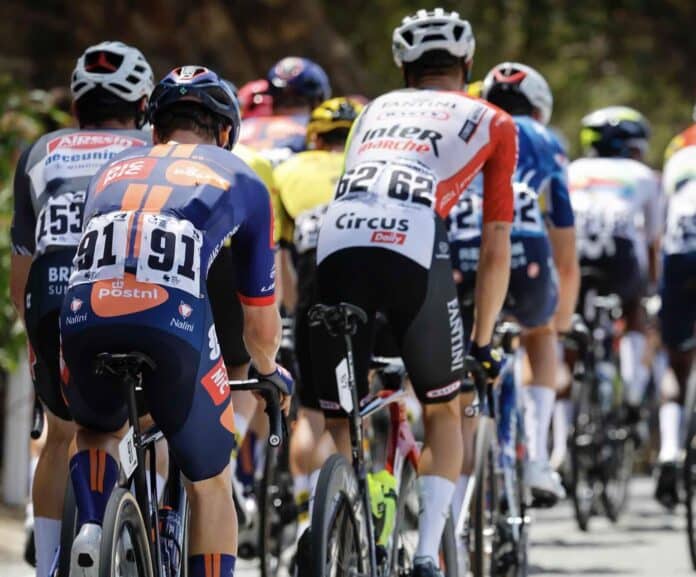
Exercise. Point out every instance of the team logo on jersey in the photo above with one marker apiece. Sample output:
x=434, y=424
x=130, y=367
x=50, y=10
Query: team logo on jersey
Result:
x=191, y=173
x=132, y=168
x=86, y=140
x=119, y=297
x=75, y=305
x=215, y=382
x=185, y=310
x=401, y=138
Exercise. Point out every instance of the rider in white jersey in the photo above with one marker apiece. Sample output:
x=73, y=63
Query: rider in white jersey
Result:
x=383, y=246
x=678, y=294
x=616, y=200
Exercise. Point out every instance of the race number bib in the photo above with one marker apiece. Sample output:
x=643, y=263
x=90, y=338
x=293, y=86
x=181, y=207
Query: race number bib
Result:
x=680, y=233
x=527, y=220
x=403, y=182
x=60, y=221
x=464, y=221
x=170, y=253
x=101, y=253
x=307, y=226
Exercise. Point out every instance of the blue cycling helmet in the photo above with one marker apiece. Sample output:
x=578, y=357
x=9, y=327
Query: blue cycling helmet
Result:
x=299, y=77
x=200, y=85
x=615, y=131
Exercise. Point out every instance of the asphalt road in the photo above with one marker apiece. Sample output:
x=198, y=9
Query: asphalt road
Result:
x=646, y=542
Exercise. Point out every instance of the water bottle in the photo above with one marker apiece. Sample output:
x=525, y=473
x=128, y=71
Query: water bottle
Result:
x=382, y=487
x=170, y=528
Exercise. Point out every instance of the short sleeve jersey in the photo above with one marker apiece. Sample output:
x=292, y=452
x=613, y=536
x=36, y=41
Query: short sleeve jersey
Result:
x=164, y=212
x=679, y=184
x=306, y=183
x=50, y=184
x=446, y=137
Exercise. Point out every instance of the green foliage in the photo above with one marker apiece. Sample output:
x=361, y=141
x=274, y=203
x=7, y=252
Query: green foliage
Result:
x=23, y=117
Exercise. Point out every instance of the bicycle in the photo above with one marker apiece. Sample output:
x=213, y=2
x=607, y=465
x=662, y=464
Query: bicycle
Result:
x=342, y=526
x=602, y=443
x=132, y=541
x=689, y=471
x=495, y=503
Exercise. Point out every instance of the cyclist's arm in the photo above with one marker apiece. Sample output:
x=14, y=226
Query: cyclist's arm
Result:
x=262, y=335
x=22, y=235
x=566, y=261
x=493, y=272
x=653, y=228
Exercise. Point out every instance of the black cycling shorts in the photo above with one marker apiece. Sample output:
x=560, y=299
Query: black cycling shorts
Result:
x=421, y=306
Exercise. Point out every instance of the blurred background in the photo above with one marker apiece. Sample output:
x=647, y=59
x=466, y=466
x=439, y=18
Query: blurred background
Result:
x=594, y=53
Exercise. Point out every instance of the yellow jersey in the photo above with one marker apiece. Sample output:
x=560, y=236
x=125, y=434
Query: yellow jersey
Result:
x=304, y=182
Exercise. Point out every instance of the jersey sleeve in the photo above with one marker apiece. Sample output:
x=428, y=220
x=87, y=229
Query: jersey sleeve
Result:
x=257, y=249
x=653, y=209
x=559, y=209
x=499, y=169
x=23, y=227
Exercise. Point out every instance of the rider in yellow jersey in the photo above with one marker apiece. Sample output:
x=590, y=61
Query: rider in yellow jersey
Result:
x=305, y=185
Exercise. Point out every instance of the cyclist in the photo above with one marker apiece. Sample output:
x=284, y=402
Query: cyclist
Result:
x=678, y=292
x=306, y=185
x=544, y=275
x=255, y=99
x=110, y=85
x=616, y=200
x=383, y=245
x=140, y=284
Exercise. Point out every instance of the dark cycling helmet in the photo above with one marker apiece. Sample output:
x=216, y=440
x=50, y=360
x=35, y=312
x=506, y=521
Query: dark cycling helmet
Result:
x=201, y=85
x=299, y=77
x=616, y=131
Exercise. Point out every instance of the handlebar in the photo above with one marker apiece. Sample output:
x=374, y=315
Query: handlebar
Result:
x=269, y=393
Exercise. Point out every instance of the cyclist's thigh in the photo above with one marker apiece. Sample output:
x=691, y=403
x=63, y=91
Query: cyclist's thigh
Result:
x=678, y=293
x=348, y=275
x=618, y=272
x=428, y=323
x=533, y=290
x=45, y=290
x=227, y=310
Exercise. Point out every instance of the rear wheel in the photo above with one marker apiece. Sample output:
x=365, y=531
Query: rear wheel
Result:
x=582, y=455
x=618, y=470
x=690, y=486
x=68, y=530
x=125, y=548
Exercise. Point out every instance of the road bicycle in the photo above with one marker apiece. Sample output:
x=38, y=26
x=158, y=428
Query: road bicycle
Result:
x=689, y=472
x=344, y=541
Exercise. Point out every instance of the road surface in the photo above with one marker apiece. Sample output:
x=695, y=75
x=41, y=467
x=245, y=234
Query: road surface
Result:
x=647, y=542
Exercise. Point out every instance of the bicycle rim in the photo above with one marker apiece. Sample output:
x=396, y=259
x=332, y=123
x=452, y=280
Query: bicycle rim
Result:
x=484, y=517
x=619, y=472
x=582, y=453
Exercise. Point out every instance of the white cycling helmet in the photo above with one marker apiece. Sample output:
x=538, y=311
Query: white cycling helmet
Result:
x=429, y=30
x=514, y=77
x=113, y=66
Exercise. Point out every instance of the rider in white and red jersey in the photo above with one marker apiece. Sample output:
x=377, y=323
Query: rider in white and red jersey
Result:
x=383, y=245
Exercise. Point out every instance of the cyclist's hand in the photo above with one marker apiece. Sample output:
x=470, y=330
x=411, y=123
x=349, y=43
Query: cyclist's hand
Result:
x=283, y=381
x=489, y=358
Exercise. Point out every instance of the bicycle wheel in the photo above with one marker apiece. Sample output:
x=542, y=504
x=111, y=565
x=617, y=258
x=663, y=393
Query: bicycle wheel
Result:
x=485, y=502
x=125, y=548
x=338, y=542
x=68, y=530
x=583, y=456
x=405, y=535
x=277, y=526
x=618, y=470
x=690, y=486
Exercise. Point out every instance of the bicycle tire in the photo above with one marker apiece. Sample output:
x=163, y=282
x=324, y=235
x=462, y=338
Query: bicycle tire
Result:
x=690, y=487
x=68, y=531
x=582, y=457
x=485, y=505
x=405, y=532
x=337, y=541
x=618, y=473
x=118, y=557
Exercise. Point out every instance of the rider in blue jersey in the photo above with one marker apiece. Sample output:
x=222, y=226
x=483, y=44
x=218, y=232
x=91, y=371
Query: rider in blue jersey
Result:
x=543, y=280
x=155, y=221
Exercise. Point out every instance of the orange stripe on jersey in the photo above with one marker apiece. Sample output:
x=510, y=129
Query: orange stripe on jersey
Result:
x=183, y=150
x=133, y=197
x=161, y=150
x=208, y=558
x=216, y=564
x=101, y=469
x=93, y=469
x=157, y=198
x=449, y=191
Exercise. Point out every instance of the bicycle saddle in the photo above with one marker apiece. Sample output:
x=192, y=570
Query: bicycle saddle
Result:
x=123, y=364
x=340, y=319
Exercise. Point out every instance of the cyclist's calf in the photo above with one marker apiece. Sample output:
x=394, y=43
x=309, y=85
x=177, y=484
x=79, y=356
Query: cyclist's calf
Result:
x=443, y=448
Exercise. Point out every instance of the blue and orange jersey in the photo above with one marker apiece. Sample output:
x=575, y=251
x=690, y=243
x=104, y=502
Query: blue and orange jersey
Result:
x=276, y=137
x=163, y=214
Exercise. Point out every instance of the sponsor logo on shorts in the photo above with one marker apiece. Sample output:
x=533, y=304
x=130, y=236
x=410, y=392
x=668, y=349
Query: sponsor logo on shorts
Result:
x=181, y=325
x=191, y=173
x=215, y=382
x=76, y=304
x=130, y=169
x=85, y=140
x=388, y=237
x=117, y=297
x=213, y=343
x=444, y=391
x=185, y=310
x=456, y=335
x=443, y=250
x=329, y=405
x=533, y=269
x=75, y=319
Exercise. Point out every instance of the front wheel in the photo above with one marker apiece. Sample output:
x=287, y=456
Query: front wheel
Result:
x=338, y=544
x=125, y=548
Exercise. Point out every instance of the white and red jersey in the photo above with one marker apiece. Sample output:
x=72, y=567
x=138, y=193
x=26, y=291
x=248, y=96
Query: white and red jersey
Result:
x=614, y=198
x=425, y=146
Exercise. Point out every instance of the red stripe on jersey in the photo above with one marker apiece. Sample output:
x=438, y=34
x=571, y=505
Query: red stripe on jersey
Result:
x=256, y=301
x=498, y=198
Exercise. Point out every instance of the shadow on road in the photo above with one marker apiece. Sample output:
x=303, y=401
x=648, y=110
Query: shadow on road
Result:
x=537, y=570
x=598, y=544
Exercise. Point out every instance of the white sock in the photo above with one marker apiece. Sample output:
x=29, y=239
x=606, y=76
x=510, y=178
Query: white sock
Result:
x=634, y=374
x=537, y=420
x=670, y=423
x=313, y=480
x=562, y=417
x=241, y=424
x=458, y=496
x=47, y=540
x=29, y=509
x=435, y=495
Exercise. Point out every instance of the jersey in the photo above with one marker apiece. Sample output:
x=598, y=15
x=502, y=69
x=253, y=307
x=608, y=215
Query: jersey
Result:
x=424, y=147
x=51, y=181
x=679, y=183
x=682, y=140
x=306, y=183
x=277, y=137
x=162, y=214
x=614, y=198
